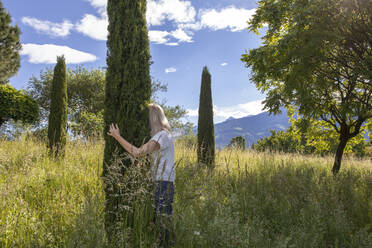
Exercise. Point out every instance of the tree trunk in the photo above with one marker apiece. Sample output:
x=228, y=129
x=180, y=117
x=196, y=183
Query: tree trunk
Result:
x=127, y=92
x=339, y=153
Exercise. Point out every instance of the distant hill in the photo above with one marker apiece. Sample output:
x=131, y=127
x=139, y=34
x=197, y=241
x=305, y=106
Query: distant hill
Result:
x=252, y=127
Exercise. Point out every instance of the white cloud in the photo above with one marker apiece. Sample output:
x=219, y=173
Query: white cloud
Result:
x=224, y=64
x=170, y=69
x=159, y=37
x=93, y=27
x=159, y=11
x=238, y=111
x=181, y=36
x=98, y=3
x=228, y=18
x=172, y=44
x=49, y=28
x=163, y=37
x=101, y=5
x=172, y=10
x=47, y=54
x=180, y=13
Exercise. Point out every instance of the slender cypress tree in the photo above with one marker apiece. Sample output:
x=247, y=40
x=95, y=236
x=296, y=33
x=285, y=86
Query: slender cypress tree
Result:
x=206, y=145
x=127, y=91
x=58, y=109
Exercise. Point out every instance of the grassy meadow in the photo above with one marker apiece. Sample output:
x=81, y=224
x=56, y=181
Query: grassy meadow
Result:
x=249, y=199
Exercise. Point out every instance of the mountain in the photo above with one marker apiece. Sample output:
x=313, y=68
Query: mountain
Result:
x=251, y=127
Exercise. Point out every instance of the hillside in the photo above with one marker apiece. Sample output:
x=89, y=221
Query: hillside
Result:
x=251, y=127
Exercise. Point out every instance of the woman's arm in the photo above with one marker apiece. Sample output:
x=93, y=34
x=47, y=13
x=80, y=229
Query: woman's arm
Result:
x=133, y=150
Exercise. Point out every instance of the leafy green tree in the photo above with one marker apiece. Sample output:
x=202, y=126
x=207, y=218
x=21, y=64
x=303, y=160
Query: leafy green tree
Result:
x=10, y=46
x=278, y=141
x=206, y=143
x=237, y=142
x=16, y=105
x=128, y=89
x=57, y=122
x=309, y=136
x=86, y=91
x=316, y=55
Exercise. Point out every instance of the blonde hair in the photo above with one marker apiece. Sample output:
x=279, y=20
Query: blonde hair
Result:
x=158, y=120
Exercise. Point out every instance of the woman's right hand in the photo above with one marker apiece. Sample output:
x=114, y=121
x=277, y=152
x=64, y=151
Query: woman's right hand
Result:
x=114, y=131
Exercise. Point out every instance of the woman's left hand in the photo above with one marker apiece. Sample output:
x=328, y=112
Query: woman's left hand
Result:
x=114, y=130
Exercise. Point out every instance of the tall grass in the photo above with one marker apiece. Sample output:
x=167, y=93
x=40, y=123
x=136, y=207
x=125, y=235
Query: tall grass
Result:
x=249, y=199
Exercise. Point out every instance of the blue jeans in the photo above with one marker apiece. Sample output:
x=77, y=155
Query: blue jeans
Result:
x=164, y=194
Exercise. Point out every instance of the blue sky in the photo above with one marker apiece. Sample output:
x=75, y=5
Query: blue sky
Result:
x=184, y=35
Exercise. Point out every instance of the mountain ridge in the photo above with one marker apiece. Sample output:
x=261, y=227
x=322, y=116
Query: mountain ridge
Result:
x=251, y=127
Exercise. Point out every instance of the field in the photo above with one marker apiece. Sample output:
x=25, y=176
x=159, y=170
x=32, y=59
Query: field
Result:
x=249, y=200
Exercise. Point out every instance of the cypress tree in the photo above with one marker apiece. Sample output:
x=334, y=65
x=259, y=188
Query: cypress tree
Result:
x=127, y=90
x=58, y=109
x=206, y=147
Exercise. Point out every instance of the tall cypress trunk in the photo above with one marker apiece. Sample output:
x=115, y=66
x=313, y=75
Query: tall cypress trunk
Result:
x=57, y=120
x=127, y=93
x=206, y=142
x=340, y=151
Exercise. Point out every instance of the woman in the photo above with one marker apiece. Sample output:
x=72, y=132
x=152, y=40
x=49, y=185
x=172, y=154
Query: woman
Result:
x=162, y=147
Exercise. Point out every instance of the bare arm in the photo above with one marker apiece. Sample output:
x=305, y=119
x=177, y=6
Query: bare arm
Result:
x=149, y=147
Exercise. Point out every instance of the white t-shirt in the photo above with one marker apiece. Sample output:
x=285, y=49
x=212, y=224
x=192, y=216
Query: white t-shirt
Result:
x=163, y=167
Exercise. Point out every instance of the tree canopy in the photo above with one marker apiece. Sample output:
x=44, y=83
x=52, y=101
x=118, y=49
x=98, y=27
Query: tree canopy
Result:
x=317, y=56
x=86, y=91
x=309, y=136
x=16, y=105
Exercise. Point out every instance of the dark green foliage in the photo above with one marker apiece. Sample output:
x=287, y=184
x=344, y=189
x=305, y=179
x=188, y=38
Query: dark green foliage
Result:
x=16, y=105
x=206, y=146
x=9, y=46
x=57, y=122
x=128, y=90
x=316, y=55
x=237, y=142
